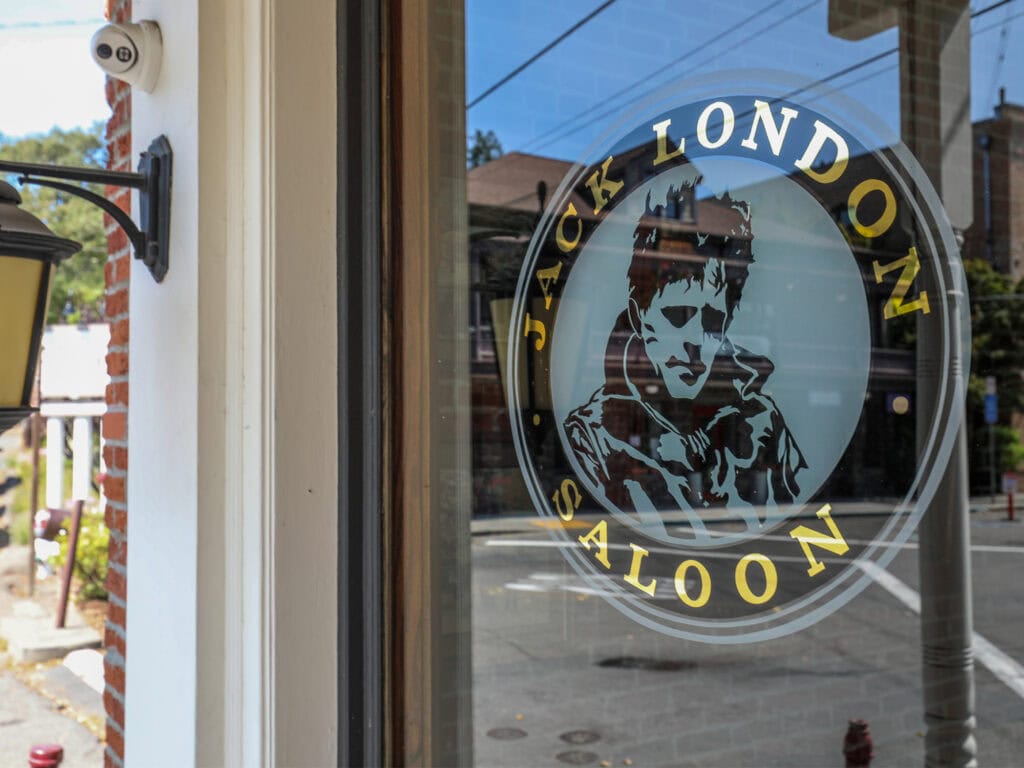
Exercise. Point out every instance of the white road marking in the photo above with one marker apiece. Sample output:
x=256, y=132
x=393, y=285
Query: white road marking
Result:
x=998, y=663
x=1004, y=549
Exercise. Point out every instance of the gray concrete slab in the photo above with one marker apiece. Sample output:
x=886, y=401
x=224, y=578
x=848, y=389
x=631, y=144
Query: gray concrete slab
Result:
x=34, y=639
x=27, y=718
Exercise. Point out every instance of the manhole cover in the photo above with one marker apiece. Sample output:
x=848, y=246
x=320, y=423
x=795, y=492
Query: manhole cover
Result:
x=576, y=757
x=641, y=662
x=506, y=734
x=580, y=737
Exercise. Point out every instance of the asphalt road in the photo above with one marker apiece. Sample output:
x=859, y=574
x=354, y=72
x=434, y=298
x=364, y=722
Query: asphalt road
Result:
x=560, y=677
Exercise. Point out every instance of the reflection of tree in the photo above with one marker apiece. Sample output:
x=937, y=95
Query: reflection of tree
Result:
x=997, y=349
x=483, y=148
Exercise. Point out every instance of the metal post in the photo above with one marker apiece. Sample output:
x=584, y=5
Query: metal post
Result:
x=69, y=563
x=35, y=425
x=992, y=460
x=935, y=100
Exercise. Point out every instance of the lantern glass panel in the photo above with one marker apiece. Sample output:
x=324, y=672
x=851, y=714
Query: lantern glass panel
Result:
x=20, y=283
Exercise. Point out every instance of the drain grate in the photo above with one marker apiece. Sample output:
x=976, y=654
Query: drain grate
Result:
x=506, y=734
x=580, y=737
x=642, y=662
x=576, y=757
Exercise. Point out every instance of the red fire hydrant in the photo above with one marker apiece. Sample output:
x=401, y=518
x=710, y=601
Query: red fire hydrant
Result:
x=858, y=746
x=46, y=756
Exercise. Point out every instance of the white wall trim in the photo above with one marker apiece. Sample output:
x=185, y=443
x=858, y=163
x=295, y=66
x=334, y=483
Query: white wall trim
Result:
x=232, y=487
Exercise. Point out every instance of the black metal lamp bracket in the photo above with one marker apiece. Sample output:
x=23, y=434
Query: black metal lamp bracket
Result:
x=153, y=181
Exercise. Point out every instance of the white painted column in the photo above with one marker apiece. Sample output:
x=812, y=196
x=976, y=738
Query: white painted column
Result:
x=54, y=462
x=81, y=458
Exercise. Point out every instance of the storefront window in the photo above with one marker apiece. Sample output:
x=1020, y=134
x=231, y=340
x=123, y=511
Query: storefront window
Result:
x=711, y=389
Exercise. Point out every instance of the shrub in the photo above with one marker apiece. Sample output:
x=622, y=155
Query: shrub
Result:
x=90, y=558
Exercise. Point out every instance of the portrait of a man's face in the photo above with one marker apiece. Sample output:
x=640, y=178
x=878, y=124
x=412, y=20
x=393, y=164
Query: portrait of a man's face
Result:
x=683, y=330
x=683, y=421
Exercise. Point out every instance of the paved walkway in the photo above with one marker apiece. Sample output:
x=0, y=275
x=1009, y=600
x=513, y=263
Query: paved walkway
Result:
x=54, y=706
x=27, y=717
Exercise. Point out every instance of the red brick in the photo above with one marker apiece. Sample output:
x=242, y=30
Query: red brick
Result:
x=113, y=675
x=119, y=334
x=114, y=487
x=117, y=303
x=115, y=426
x=117, y=393
x=117, y=550
x=116, y=616
x=111, y=91
x=115, y=583
x=122, y=112
x=122, y=268
x=112, y=639
x=115, y=422
x=123, y=145
x=117, y=363
x=115, y=458
x=115, y=743
x=115, y=710
x=115, y=517
x=117, y=241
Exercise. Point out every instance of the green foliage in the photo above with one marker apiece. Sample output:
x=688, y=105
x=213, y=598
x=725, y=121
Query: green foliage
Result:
x=483, y=148
x=81, y=276
x=997, y=349
x=21, y=517
x=21, y=520
x=90, y=558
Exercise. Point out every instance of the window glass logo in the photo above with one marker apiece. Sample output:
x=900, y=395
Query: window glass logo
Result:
x=714, y=380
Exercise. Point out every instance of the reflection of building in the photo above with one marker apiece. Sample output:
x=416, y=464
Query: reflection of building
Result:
x=997, y=233
x=505, y=198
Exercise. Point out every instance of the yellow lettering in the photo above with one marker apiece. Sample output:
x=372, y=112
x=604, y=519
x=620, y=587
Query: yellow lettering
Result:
x=633, y=577
x=771, y=579
x=896, y=305
x=705, y=584
x=661, y=129
x=564, y=244
x=728, y=125
x=601, y=187
x=775, y=135
x=535, y=326
x=885, y=219
x=570, y=494
x=599, y=535
x=807, y=537
x=823, y=133
x=547, y=278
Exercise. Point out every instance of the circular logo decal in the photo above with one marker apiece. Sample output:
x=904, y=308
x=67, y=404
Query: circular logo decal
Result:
x=735, y=361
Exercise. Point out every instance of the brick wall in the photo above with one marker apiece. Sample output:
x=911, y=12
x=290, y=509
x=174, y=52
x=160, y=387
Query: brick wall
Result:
x=115, y=422
x=1006, y=178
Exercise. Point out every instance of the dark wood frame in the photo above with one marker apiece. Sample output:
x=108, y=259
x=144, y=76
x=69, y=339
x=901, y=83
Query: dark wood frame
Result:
x=404, y=686
x=426, y=409
x=360, y=386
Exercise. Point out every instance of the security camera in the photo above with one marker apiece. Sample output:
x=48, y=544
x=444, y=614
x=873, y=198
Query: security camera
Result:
x=129, y=52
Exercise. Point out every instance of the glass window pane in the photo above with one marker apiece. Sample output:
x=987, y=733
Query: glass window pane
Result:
x=706, y=304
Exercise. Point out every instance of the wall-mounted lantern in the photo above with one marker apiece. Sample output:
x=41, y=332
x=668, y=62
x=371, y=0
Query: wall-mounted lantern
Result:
x=29, y=253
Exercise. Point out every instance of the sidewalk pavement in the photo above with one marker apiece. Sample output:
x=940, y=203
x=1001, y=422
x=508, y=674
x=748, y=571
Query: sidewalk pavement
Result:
x=527, y=521
x=47, y=695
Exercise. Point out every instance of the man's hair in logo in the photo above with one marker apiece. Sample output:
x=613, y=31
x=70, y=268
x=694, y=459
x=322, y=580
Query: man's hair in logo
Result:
x=686, y=239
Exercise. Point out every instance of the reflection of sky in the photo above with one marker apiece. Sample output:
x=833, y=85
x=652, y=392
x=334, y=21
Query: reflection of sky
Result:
x=557, y=106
